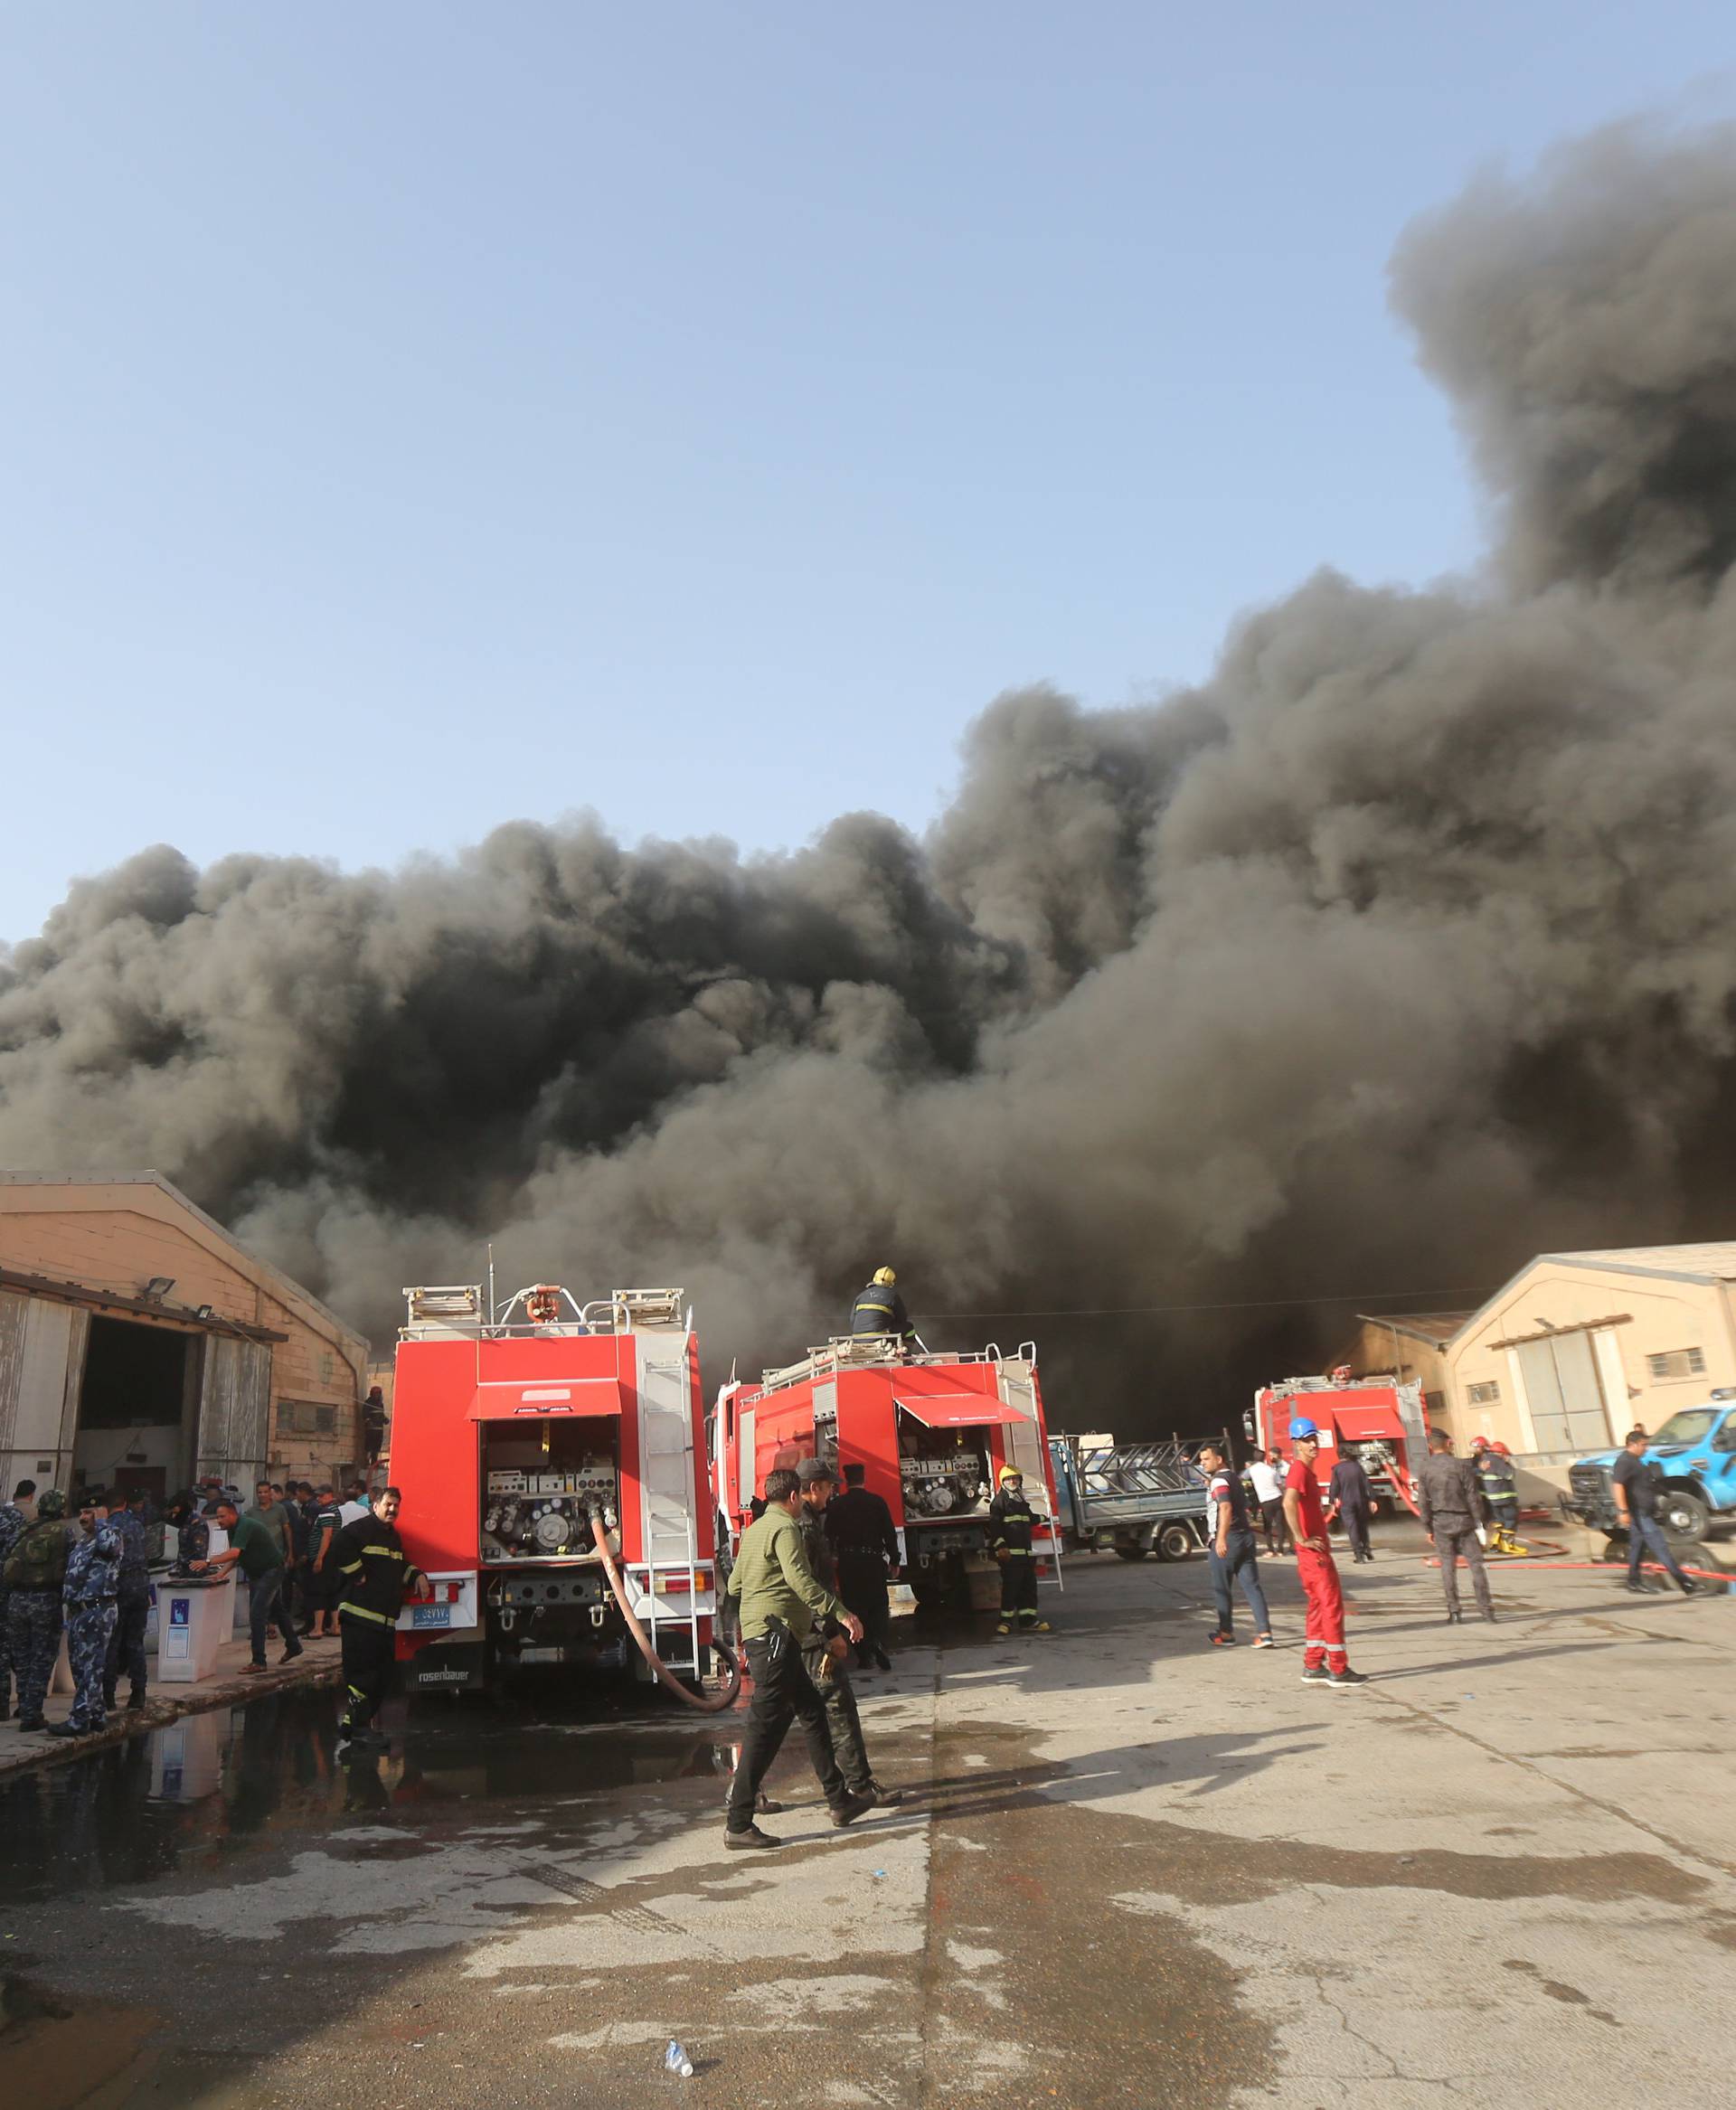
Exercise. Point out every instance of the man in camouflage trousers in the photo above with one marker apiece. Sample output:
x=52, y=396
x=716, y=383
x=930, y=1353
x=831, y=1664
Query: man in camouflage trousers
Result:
x=33, y=1573
x=14, y=1523
x=88, y=1594
x=132, y=1604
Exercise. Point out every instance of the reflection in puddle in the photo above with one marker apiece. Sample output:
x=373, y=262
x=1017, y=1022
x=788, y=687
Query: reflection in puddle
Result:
x=223, y=1783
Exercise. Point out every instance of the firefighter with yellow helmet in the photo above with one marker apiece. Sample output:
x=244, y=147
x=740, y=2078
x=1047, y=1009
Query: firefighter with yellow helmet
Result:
x=1011, y=1523
x=880, y=1309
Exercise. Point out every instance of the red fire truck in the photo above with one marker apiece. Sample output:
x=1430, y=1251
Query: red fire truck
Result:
x=932, y=1432
x=518, y=1436
x=1382, y=1420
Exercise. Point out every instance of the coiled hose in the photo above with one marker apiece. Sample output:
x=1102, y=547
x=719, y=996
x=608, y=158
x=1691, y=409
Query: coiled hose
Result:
x=717, y=1701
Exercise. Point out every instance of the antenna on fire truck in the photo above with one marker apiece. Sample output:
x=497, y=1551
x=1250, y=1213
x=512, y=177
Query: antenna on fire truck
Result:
x=490, y=1282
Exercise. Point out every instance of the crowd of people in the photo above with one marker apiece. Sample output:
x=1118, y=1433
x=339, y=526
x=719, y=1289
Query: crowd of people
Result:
x=313, y=1561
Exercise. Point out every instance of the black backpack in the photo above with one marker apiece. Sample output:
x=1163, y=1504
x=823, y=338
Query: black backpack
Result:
x=38, y=1559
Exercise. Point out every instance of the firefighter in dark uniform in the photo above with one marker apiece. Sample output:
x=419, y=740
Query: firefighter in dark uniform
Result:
x=860, y=1529
x=880, y=1309
x=1010, y=1520
x=375, y=1577
x=1500, y=1485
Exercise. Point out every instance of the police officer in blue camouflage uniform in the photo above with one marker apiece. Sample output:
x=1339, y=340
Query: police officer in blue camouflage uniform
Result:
x=132, y=1605
x=88, y=1594
x=13, y=1522
x=33, y=1573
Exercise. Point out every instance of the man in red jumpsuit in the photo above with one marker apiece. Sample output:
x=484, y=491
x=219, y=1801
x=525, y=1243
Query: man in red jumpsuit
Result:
x=1324, y=1661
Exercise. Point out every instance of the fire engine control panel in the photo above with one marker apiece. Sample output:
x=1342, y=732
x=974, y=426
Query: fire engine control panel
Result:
x=546, y=1516
x=941, y=1477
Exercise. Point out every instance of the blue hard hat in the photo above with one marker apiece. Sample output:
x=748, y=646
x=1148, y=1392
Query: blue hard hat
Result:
x=1301, y=1427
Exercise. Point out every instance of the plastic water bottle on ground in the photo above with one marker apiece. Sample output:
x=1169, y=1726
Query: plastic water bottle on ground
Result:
x=676, y=2060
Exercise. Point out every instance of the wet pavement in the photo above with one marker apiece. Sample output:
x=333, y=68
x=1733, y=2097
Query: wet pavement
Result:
x=1134, y=1869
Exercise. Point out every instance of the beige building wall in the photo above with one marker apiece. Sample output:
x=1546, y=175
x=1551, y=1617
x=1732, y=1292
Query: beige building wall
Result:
x=117, y=1234
x=1654, y=1327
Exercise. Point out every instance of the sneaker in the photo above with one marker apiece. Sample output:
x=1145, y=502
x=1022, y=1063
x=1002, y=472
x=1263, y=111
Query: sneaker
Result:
x=1223, y=1641
x=740, y=1842
x=850, y=1809
x=1264, y=1641
x=887, y=1798
x=1341, y=1681
x=1316, y=1674
x=1687, y=1586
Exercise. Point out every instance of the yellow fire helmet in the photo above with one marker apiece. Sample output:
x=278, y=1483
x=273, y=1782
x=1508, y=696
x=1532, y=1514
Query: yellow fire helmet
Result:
x=884, y=1278
x=1010, y=1472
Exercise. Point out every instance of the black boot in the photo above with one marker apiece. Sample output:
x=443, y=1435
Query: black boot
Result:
x=1687, y=1586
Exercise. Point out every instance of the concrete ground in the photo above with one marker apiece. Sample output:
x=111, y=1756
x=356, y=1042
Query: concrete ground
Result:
x=1134, y=1869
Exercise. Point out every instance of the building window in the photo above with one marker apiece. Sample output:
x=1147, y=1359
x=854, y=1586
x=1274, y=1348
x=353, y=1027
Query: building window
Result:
x=1677, y=1362
x=1483, y=1395
x=306, y=1417
x=1432, y=1404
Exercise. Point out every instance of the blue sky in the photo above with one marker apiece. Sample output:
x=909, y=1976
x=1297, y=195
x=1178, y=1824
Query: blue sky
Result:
x=420, y=416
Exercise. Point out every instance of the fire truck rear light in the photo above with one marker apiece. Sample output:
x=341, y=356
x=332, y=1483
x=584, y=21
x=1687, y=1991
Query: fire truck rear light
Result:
x=453, y=1591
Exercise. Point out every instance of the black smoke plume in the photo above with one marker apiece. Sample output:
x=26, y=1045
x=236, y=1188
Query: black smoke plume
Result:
x=1401, y=949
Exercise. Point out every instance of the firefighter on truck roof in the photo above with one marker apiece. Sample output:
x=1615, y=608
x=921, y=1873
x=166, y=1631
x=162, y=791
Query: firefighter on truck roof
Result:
x=880, y=1309
x=1010, y=1521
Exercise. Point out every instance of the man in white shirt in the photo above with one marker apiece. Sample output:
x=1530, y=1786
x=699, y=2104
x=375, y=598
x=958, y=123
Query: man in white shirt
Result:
x=1268, y=1491
x=357, y=1507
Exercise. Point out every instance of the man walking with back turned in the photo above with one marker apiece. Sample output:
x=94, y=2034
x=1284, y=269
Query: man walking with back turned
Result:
x=1450, y=1503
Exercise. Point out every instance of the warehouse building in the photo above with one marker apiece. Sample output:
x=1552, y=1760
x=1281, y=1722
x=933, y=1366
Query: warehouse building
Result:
x=141, y=1345
x=1566, y=1357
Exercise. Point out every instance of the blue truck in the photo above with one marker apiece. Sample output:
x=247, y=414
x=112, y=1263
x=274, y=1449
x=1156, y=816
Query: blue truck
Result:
x=1695, y=1448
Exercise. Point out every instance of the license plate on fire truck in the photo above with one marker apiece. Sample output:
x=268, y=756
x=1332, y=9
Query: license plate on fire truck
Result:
x=431, y=1616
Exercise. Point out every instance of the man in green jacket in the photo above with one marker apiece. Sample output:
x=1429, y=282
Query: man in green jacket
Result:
x=779, y=1599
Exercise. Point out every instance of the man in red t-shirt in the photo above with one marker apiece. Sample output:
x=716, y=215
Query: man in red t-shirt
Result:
x=1324, y=1661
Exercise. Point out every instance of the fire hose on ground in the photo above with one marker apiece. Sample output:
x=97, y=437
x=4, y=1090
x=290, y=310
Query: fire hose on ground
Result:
x=717, y=1701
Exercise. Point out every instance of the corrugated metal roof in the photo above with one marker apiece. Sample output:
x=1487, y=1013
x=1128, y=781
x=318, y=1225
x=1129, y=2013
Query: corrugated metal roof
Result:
x=274, y=1276
x=1716, y=1262
x=1437, y=1328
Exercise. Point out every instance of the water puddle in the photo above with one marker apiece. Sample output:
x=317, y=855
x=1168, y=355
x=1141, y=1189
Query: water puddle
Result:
x=225, y=1782
x=56, y=2053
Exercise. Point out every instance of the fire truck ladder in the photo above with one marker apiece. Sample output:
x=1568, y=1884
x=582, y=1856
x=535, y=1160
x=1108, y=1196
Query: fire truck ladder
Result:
x=1024, y=1448
x=667, y=1434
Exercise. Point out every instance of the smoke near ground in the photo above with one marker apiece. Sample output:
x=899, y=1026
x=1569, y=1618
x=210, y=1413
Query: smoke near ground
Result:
x=1401, y=949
